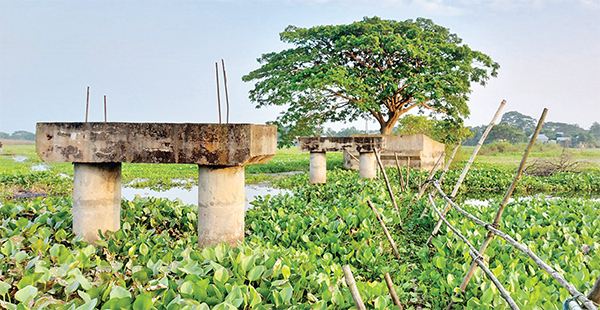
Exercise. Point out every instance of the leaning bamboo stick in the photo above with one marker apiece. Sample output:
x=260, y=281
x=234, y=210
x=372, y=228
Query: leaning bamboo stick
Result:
x=523, y=248
x=476, y=257
x=385, y=230
x=443, y=174
x=466, y=169
x=387, y=184
x=352, y=286
x=431, y=172
x=218, y=94
x=504, y=201
x=400, y=173
x=390, y=285
x=87, y=104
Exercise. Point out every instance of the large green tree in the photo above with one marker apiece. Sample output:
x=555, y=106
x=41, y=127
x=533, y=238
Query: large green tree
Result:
x=373, y=68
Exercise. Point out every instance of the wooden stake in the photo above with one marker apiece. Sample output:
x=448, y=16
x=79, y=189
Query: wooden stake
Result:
x=400, y=173
x=218, y=93
x=504, y=201
x=385, y=230
x=105, y=108
x=466, y=169
x=390, y=285
x=407, y=171
x=352, y=286
x=387, y=183
x=226, y=93
x=87, y=104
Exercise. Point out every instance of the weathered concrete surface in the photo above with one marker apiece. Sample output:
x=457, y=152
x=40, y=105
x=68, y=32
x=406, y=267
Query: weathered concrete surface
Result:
x=318, y=168
x=202, y=144
x=220, y=205
x=367, y=166
x=340, y=144
x=96, y=199
x=421, y=149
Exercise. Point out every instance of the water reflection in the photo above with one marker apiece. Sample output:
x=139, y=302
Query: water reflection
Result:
x=190, y=196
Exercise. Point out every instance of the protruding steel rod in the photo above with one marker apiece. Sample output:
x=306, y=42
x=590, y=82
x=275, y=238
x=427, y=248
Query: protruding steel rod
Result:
x=226, y=93
x=218, y=93
x=105, y=108
x=87, y=104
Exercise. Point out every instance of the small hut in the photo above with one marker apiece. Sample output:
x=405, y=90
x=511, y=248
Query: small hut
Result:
x=420, y=150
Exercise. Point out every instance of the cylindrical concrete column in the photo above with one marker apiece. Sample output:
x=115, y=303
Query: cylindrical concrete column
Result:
x=220, y=205
x=318, y=168
x=96, y=198
x=367, y=165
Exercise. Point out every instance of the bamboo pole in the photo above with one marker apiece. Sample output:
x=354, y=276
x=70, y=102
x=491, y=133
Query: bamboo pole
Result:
x=400, y=172
x=390, y=285
x=387, y=183
x=430, y=175
x=476, y=257
x=504, y=201
x=226, y=93
x=523, y=248
x=218, y=92
x=352, y=286
x=466, y=169
x=594, y=294
x=407, y=171
x=87, y=104
x=442, y=176
x=385, y=230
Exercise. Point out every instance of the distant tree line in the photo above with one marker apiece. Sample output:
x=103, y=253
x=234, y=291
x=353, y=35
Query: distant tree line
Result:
x=516, y=127
x=18, y=135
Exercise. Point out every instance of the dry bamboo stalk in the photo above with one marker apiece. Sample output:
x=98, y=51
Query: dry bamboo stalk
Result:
x=87, y=104
x=352, y=286
x=218, y=93
x=390, y=285
x=476, y=257
x=431, y=172
x=407, y=171
x=594, y=294
x=573, y=305
x=543, y=265
x=509, y=192
x=387, y=183
x=466, y=169
x=225, y=84
x=442, y=176
x=385, y=230
x=400, y=173
x=352, y=155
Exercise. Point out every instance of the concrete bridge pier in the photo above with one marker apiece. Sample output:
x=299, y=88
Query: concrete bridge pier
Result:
x=220, y=205
x=367, y=165
x=318, y=168
x=96, y=198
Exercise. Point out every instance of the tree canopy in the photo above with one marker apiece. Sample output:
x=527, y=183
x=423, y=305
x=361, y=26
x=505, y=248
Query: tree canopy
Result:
x=372, y=68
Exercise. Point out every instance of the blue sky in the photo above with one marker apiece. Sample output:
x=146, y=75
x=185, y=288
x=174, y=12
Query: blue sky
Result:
x=154, y=60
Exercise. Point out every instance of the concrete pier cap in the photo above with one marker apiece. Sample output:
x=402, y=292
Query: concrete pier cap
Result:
x=97, y=149
x=319, y=146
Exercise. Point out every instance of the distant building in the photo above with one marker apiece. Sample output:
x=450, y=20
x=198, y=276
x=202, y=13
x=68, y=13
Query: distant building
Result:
x=541, y=138
x=563, y=141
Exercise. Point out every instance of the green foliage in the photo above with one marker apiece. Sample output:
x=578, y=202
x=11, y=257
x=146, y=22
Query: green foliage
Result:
x=370, y=68
x=444, y=131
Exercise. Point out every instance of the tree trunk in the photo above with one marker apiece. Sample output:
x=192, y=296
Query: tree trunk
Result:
x=387, y=128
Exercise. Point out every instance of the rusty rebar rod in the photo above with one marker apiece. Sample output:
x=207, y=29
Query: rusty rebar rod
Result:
x=218, y=92
x=105, y=108
x=226, y=92
x=87, y=104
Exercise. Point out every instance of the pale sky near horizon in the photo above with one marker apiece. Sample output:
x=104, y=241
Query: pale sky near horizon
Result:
x=154, y=60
